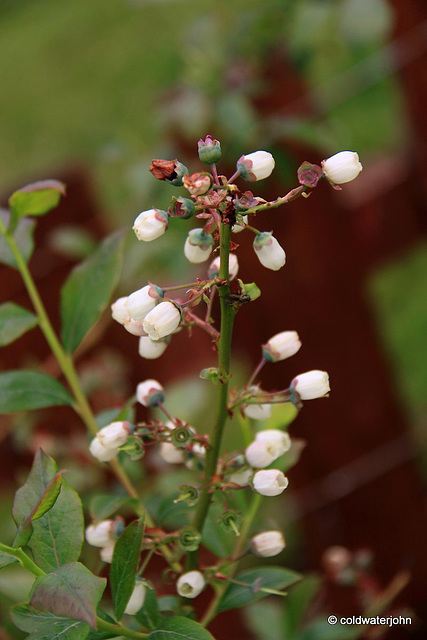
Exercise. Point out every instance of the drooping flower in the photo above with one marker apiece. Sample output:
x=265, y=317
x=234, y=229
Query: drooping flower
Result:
x=190, y=584
x=142, y=301
x=149, y=393
x=269, y=482
x=268, y=251
x=150, y=224
x=281, y=346
x=198, y=246
x=342, y=167
x=312, y=384
x=256, y=166
x=162, y=320
x=137, y=598
x=268, y=544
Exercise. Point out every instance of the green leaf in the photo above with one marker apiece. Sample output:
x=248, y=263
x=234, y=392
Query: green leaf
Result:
x=23, y=235
x=14, y=322
x=269, y=577
x=124, y=566
x=178, y=628
x=6, y=559
x=22, y=390
x=87, y=291
x=71, y=591
x=36, y=199
x=57, y=534
x=45, y=625
x=149, y=616
x=297, y=604
x=214, y=537
x=102, y=507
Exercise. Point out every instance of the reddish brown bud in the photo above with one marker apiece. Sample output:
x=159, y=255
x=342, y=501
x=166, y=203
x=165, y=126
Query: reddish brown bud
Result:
x=309, y=174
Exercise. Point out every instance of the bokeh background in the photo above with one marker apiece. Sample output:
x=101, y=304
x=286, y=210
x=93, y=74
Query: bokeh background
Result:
x=91, y=91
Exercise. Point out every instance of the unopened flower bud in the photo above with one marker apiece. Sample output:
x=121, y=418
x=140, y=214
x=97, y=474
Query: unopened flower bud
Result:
x=209, y=150
x=281, y=346
x=190, y=584
x=100, y=534
x=162, y=320
x=267, y=447
x=135, y=327
x=150, y=224
x=256, y=166
x=101, y=452
x=342, y=167
x=268, y=251
x=140, y=302
x=171, y=171
x=115, y=434
x=181, y=207
x=198, y=183
x=233, y=266
x=152, y=349
x=241, y=478
x=240, y=224
x=171, y=454
x=119, y=311
x=312, y=384
x=106, y=553
x=149, y=393
x=269, y=482
x=257, y=411
x=268, y=544
x=198, y=246
x=137, y=598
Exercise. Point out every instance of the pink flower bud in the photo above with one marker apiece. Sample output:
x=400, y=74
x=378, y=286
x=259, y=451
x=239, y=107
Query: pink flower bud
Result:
x=312, y=384
x=142, y=301
x=268, y=544
x=281, y=346
x=342, y=167
x=268, y=251
x=149, y=393
x=269, y=482
x=256, y=166
x=162, y=320
x=190, y=584
x=150, y=224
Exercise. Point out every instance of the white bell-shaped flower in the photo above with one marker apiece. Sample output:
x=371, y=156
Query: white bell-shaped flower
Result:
x=342, y=167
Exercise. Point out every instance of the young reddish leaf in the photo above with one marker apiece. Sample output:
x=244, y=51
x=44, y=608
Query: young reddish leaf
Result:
x=71, y=591
x=14, y=322
x=58, y=527
x=36, y=199
x=124, y=566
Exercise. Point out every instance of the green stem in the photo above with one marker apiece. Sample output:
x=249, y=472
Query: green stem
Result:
x=224, y=347
x=119, y=630
x=241, y=542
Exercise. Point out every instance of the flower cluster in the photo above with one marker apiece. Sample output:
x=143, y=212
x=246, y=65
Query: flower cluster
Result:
x=152, y=315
